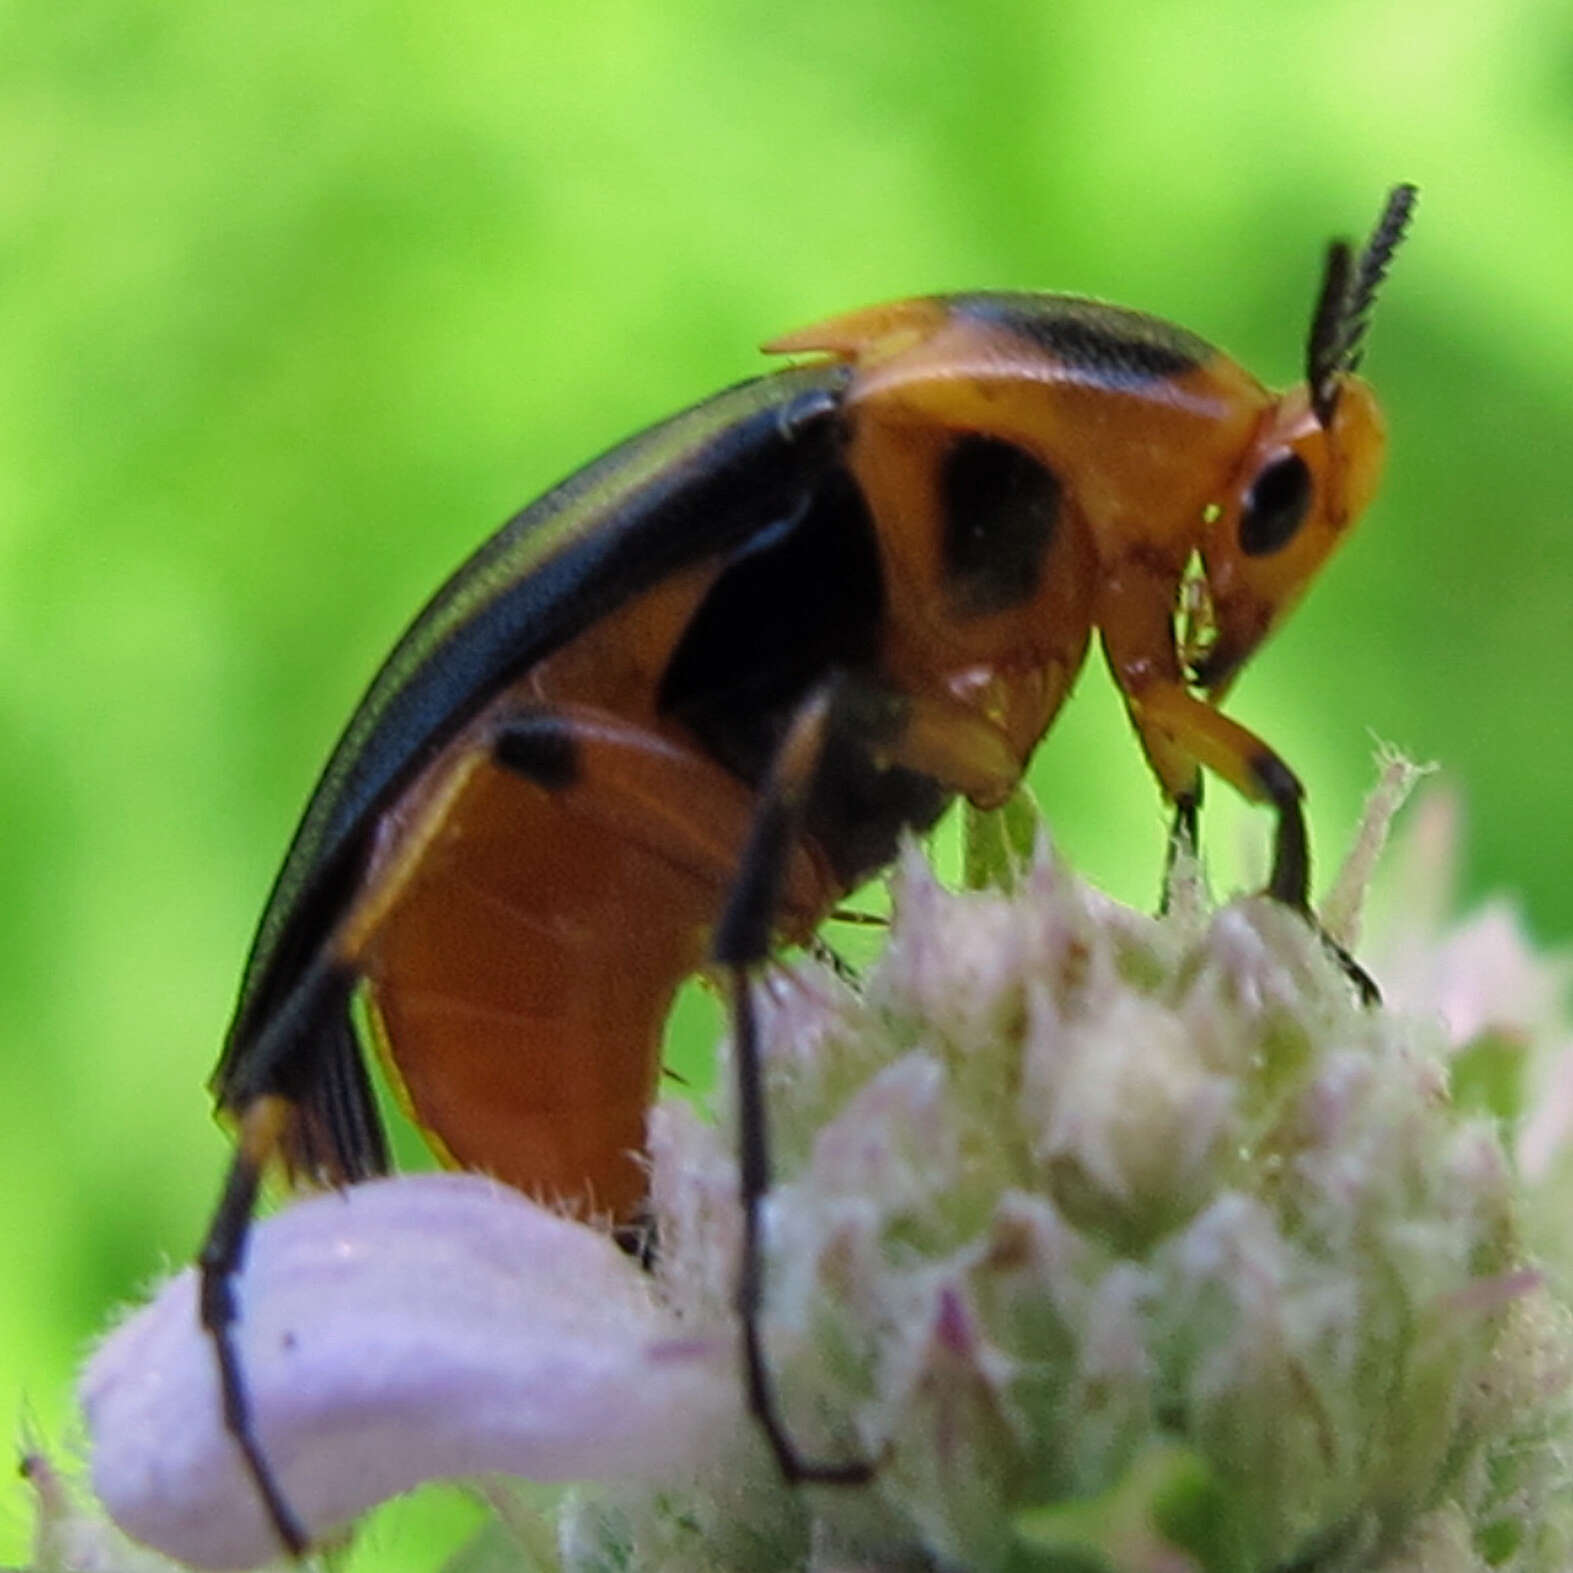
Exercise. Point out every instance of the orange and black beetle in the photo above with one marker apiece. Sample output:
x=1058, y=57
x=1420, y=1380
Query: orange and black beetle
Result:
x=678, y=707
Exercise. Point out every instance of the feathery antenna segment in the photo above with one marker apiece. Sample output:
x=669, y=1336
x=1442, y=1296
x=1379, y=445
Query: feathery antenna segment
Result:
x=1343, y=304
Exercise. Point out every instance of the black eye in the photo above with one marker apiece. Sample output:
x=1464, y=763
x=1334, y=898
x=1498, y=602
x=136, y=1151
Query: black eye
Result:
x=1275, y=506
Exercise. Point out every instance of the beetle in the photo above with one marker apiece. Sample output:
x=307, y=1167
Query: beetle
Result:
x=673, y=711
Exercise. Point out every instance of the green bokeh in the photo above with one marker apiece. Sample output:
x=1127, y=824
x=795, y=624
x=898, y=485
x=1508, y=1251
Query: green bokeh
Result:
x=297, y=299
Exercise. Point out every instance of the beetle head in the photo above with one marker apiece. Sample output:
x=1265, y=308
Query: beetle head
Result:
x=1309, y=472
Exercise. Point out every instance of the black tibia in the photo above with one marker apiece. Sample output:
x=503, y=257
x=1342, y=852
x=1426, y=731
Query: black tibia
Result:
x=222, y=1255
x=299, y=1095
x=308, y=1053
x=742, y=941
x=833, y=961
x=1290, y=880
x=1187, y=821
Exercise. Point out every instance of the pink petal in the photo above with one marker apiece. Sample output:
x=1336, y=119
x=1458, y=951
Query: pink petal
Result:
x=425, y=1327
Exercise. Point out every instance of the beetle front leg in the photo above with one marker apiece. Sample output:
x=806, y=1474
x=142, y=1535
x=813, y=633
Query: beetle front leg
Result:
x=1181, y=732
x=1290, y=880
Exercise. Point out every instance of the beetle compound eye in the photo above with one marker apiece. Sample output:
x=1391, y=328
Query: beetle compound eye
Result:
x=1275, y=506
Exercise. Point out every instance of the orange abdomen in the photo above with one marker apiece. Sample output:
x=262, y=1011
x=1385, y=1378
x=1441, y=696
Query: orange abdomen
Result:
x=522, y=970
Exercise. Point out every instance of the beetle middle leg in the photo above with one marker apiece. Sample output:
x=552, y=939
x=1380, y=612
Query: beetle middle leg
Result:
x=742, y=941
x=964, y=754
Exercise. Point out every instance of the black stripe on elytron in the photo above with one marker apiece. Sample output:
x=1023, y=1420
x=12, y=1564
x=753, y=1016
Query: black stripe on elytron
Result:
x=744, y=475
x=1104, y=344
x=1000, y=509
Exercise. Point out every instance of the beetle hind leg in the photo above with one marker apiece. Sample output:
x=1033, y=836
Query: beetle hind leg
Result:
x=300, y=1096
x=741, y=943
x=264, y=1124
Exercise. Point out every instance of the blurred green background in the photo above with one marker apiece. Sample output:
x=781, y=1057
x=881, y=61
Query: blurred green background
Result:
x=298, y=299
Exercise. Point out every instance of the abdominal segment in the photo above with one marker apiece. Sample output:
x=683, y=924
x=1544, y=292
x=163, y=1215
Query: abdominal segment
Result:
x=539, y=898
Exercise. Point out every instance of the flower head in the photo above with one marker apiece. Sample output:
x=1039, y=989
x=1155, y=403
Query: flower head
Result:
x=1114, y=1242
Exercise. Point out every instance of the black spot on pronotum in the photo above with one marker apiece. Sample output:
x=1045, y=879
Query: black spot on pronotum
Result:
x=1105, y=344
x=540, y=747
x=1275, y=506
x=1000, y=507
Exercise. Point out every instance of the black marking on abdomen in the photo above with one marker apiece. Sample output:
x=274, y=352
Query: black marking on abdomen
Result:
x=538, y=745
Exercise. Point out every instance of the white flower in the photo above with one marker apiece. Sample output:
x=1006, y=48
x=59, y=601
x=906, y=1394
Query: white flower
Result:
x=1114, y=1242
x=436, y=1325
